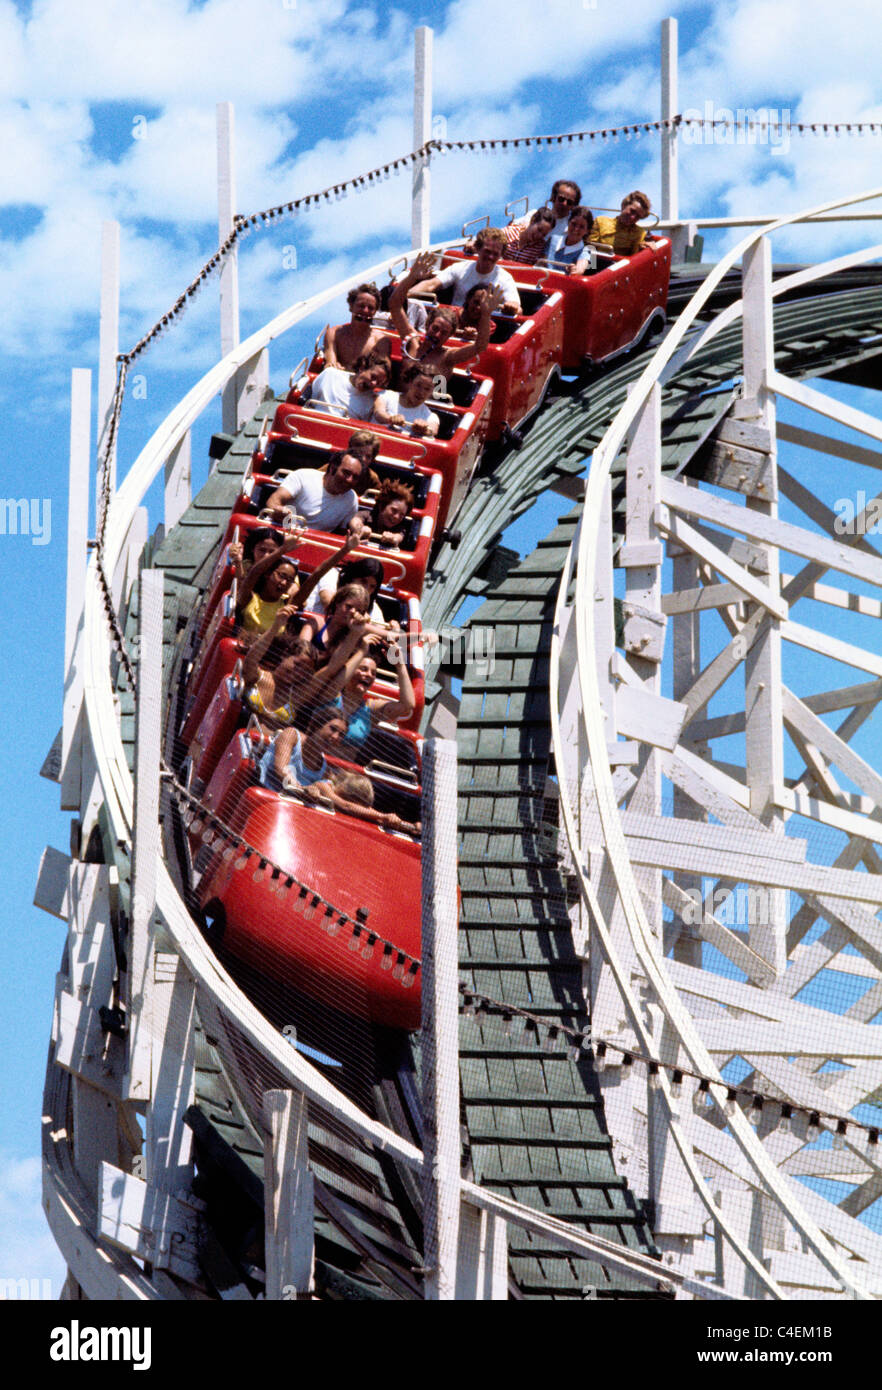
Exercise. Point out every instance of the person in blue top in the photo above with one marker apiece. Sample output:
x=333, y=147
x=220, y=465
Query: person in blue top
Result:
x=294, y=760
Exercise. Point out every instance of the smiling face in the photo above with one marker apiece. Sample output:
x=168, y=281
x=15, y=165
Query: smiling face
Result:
x=566, y=197
x=577, y=229
x=344, y=477
x=330, y=735
x=438, y=330
x=392, y=515
x=419, y=389
x=278, y=581
x=374, y=378
x=363, y=678
x=632, y=211
x=487, y=256
x=364, y=307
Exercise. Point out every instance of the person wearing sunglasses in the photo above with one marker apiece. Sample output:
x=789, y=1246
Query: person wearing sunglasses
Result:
x=565, y=195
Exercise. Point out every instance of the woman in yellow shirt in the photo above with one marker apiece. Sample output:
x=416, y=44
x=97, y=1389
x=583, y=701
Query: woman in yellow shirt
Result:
x=621, y=234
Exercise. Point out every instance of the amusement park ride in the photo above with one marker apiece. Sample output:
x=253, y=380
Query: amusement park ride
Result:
x=567, y=1025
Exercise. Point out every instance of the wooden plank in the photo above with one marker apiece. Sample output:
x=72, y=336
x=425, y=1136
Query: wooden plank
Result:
x=772, y=531
x=440, y=1024
x=832, y=647
x=684, y=534
x=669, y=830
x=719, y=936
x=77, y=533
x=743, y=867
x=831, y=745
x=706, y=596
x=149, y=1223
x=830, y=447
x=289, y=1197
x=648, y=717
x=52, y=892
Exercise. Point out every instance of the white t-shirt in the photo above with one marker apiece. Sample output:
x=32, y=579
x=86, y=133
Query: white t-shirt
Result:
x=333, y=392
x=390, y=402
x=317, y=507
x=463, y=276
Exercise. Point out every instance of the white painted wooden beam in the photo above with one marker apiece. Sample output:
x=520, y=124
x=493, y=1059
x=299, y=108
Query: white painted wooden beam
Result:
x=422, y=131
x=77, y=536
x=670, y=198
x=837, y=555
x=146, y=847
x=229, y=270
x=177, y=482
x=108, y=339
x=827, y=445
x=289, y=1197
x=679, y=530
x=482, y=1267
x=440, y=1022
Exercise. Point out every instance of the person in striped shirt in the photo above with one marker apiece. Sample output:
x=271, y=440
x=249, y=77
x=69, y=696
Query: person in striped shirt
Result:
x=527, y=244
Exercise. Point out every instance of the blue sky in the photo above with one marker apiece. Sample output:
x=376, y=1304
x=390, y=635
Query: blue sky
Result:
x=107, y=110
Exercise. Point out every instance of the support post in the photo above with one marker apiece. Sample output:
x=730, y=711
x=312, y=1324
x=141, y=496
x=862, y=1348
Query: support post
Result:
x=108, y=341
x=764, y=731
x=482, y=1271
x=289, y=1203
x=177, y=483
x=77, y=534
x=146, y=846
x=229, y=271
x=670, y=194
x=642, y=557
x=440, y=1022
x=422, y=131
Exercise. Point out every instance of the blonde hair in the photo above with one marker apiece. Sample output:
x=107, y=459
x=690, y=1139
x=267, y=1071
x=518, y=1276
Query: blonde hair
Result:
x=354, y=787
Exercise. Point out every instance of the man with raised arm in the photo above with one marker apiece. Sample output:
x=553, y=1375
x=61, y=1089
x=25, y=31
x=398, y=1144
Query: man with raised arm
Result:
x=490, y=245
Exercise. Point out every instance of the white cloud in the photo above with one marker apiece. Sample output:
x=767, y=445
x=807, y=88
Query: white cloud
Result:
x=763, y=51
x=165, y=50
x=490, y=47
x=27, y=1250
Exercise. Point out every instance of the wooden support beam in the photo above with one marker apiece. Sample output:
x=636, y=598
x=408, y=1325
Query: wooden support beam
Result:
x=150, y=1223
x=289, y=1197
x=229, y=270
x=830, y=447
x=482, y=1266
x=108, y=341
x=837, y=555
x=146, y=847
x=422, y=132
x=721, y=937
x=177, y=482
x=440, y=1020
x=77, y=535
x=751, y=587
